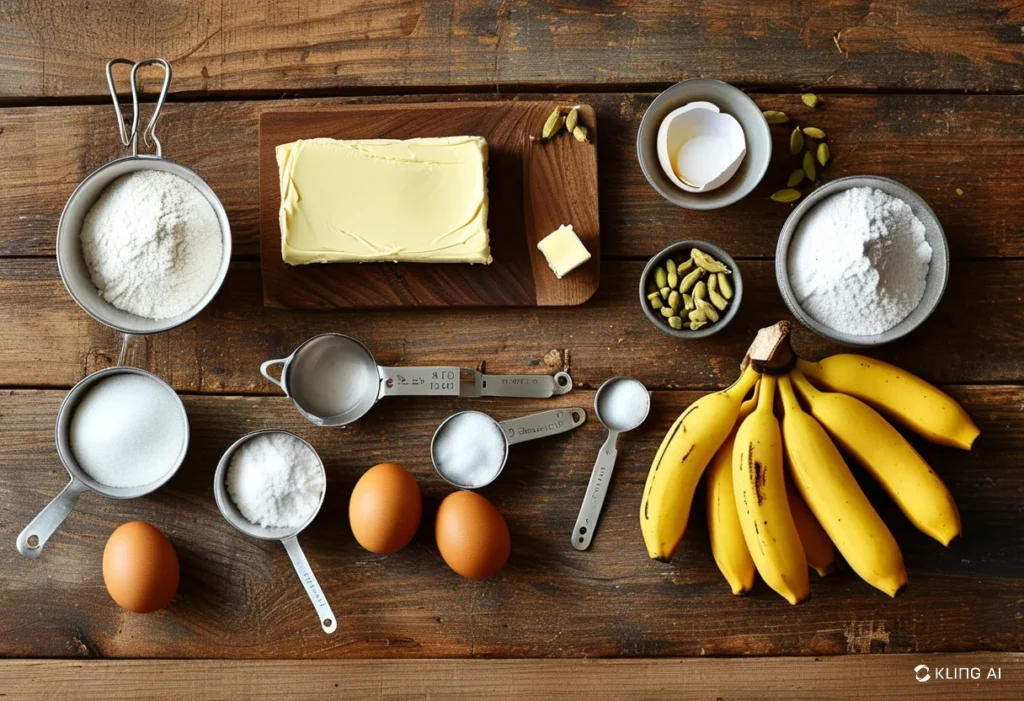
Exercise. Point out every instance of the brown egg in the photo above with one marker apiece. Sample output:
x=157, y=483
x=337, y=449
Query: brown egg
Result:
x=472, y=535
x=140, y=567
x=385, y=508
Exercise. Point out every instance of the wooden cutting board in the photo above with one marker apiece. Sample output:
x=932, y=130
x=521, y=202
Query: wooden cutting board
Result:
x=533, y=186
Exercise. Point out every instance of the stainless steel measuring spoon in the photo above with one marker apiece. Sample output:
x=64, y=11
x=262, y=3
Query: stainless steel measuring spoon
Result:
x=34, y=537
x=70, y=261
x=527, y=428
x=604, y=404
x=334, y=380
x=287, y=536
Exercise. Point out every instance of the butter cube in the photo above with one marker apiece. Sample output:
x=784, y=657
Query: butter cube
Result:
x=563, y=250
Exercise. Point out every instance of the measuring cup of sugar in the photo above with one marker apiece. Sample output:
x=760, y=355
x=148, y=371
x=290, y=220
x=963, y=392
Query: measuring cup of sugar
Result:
x=469, y=449
x=334, y=380
x=121, y=432
x=70, y=258
x=622, y=404
x=288, y=536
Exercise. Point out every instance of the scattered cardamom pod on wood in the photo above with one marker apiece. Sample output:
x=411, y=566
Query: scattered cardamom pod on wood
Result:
x=823, y=154
x=775, y=117
x=580, y=132
x=786, y=195
x=796, y=141
x=814, y=133
x=809, y=170
x=810, y=99
x=553, y=125
x=796, y=177
x=572, y=119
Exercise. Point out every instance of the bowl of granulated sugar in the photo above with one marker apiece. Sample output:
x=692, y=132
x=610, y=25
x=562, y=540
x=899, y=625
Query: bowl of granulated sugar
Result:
x=862, y=260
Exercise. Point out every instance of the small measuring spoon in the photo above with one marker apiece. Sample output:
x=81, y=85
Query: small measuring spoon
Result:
x=287, y=536
x=505, y=433
x=31, y=540
x=622, y=404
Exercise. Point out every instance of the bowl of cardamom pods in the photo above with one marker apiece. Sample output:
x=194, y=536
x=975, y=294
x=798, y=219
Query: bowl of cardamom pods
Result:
x=691, y=289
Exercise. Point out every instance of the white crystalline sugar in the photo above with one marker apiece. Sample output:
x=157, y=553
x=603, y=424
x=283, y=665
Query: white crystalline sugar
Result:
x=470, y=449
x=275, y=480
x=624, y=404
x=858, y=261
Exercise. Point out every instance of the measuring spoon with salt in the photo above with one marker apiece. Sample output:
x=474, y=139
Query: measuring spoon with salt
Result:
x=622, y=404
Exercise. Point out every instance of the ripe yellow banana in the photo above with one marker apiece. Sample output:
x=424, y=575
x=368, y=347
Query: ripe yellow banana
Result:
x=820, y=552
x=888, y=457
x=686, y=450
x=903, y=397
x=759, y=487
x=837, y=501
x=727, y=543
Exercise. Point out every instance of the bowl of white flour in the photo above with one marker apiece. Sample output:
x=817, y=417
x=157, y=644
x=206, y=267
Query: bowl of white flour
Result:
x=863, y=260
x=143, y=244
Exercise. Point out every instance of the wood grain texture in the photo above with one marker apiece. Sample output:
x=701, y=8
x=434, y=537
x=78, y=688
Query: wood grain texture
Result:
x=849, y=678
x=234, y=46
x=932, y=143
x=512, y=280
x=47, y=341
x=240, y=599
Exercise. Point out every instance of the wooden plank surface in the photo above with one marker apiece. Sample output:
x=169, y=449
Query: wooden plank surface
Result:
x=792, y=679
x=240, y=599
x=933, y=143
x=47, y=341
x=513, y=279
x=236, y=46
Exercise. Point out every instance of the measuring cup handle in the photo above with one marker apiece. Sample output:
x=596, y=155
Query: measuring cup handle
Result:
x=434, y=381
x=546, y=423
x=597, y=489
x=535, y=386
x=34, y=537
x=327, y=620
x=265, y=371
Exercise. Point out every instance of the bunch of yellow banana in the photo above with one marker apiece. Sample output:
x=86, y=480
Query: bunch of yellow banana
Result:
x=780, y=497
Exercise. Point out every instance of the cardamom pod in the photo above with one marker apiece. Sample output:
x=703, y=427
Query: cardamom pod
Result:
x=660, y=277
x=673, y=280
x=809, y=170
x=674, y=300
x=787, y=195
x=699, y=293
x=810, y=99
x=664, y=292
x=823, y=154
x=690, y=280
x=656, y=303
x=670, y=266
x=667, y=312
x=553, y=125
x=709, y=311
x=675, y=322
x=572, y=119
x=706, y=262
x=814, y=132
x=685, y=266
x=712, y=283
x=724, y=285
x=688, y=304
x=696, y=315
x=654, y=296
x=795, y=178
x=775, y=117
x=580, y=132
x=718, y=300
x=796, y=141
x=694, y=325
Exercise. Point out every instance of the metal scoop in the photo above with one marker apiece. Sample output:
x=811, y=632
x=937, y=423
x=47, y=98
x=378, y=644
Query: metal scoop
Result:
x=34, y=537
x=527, y=428
x=334, y=380
x=605, y=405
x=287, y=536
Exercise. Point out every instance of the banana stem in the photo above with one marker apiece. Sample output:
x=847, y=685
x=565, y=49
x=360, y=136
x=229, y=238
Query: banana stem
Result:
x=789, y=401
x=740, y=387
x=805, y=388
x=766, y=394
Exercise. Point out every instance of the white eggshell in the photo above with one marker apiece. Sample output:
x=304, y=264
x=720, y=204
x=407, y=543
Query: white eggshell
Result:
x=700, y=148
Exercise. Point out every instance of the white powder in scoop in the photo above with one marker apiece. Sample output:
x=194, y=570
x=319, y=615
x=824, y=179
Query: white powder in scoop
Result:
x=469, y=450
x=275, y=480
x=624, y=404
x=127, y=431
x=152, y=244
x=858, y=261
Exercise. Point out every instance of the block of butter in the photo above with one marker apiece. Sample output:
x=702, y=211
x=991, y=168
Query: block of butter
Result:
x=563, y=250
x=418, y=200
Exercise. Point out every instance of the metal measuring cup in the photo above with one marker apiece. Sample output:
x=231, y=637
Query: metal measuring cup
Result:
x=332, y=365
x=601, y=476
x=527, y=428
x=71, y=262
x=32, y=539
x=287, y=536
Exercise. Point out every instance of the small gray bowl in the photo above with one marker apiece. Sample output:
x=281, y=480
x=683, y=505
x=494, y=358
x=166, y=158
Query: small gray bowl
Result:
x=731, y=101
x=683, y=247
x=938, y=271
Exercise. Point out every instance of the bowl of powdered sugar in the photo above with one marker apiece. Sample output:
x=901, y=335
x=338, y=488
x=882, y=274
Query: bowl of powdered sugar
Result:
x=143, y=244
x=862, y=261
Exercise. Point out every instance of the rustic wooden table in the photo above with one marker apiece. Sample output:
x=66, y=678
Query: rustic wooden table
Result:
x=928, y=93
